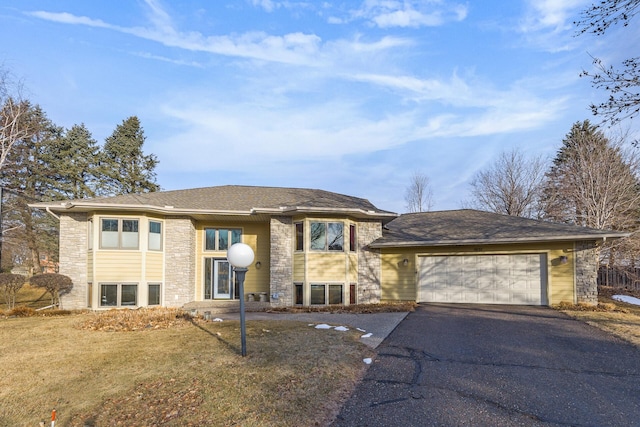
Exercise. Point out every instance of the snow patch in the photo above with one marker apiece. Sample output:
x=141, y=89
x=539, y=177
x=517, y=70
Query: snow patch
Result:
x=367, y=360
x=367, y=335
x=217, y=319
x=627, y=299
x=323, y=326
x=341, y=328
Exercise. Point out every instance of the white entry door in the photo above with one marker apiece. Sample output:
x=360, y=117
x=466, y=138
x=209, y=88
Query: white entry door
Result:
x=483, y=279
x=217, y=279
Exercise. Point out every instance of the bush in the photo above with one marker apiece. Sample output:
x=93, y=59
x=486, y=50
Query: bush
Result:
x=56, y=284
x=10, y=284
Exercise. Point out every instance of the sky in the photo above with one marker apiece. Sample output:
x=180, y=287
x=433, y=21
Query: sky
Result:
x=347, y=96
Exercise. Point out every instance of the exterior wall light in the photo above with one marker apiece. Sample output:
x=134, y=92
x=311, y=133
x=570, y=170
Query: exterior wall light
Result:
x=258, y=265
x=405, y=262
x=240, y=255
x=564, y=259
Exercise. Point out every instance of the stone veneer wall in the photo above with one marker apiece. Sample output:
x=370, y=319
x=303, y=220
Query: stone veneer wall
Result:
x=180, y=261
x=587, y=259
x=369, y=263
x=74, y=244
x=281, y=274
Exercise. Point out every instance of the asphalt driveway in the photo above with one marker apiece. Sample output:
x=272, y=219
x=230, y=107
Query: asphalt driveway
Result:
x=477, y=365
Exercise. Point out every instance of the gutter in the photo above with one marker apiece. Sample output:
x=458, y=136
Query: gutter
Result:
x=467, y=242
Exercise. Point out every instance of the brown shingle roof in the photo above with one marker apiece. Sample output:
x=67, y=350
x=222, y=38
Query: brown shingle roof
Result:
x=460, y=227
x=230, y=198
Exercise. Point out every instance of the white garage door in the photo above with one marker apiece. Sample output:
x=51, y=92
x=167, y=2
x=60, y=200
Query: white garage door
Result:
x=483, y=279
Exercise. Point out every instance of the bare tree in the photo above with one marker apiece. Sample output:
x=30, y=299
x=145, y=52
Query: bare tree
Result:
x=593, y=181
x=419, y=196
x=623, y=85
x=12, y=108
x=511, y=185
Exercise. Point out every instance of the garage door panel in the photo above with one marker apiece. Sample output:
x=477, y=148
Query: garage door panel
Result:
x=486, y=279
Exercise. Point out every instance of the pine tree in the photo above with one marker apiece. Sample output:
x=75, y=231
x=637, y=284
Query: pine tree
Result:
x=125, y=166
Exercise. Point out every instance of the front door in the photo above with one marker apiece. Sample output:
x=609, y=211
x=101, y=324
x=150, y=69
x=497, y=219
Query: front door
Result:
x=217, y=279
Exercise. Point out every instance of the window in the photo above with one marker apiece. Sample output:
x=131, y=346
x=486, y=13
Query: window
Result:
x=90, y=233
x=154, y=294
x=218, y=239
x=327, y=236
x=118, y=295
x=119, y=234
x=155, y=236
x=352, y=237
x=298, y=292
x=325, y=293
x=299, y=236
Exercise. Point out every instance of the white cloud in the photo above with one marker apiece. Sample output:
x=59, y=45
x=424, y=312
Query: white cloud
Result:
x=548, y=24
x=294, y=48
x=413, y=14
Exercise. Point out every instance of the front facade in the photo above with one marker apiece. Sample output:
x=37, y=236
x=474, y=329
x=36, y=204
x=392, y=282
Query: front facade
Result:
x=311, y=247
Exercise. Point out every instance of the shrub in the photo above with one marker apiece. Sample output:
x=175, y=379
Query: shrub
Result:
x=10, y=284
x=56, y=284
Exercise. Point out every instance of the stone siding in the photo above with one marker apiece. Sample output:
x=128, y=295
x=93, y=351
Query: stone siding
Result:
x=74, y=244
x=587, y=258
x=180, y=277
x=281, y=274
x=369, y=263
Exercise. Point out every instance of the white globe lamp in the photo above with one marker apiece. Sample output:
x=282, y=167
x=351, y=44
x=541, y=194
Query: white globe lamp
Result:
x=240, y=255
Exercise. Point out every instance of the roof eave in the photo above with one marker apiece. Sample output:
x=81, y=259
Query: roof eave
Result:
x=468, y=242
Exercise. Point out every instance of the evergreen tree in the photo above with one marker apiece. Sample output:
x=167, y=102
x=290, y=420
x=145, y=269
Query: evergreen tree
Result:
x=30, y=175
x=125, y=166
x=77, y=156
x=593, y=181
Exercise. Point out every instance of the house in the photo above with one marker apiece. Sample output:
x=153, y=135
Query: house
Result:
x=312, y=247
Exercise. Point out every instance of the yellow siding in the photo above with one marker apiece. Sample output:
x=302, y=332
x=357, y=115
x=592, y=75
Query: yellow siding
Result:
x=120, y=266
x=326, y=267
x=298, y=266
x=154, y=267
x=399, y=281
x=255, y=235
x=90, y=266
x=353, y=268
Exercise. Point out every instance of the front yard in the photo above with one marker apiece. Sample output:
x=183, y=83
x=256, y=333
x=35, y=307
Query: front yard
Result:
x=177, y=373
x=619, y=318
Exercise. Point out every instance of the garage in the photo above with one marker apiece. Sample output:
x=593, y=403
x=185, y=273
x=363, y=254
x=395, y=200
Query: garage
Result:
x=483, y=279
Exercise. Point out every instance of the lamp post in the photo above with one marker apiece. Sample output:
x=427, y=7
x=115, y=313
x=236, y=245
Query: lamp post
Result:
x=240, y=256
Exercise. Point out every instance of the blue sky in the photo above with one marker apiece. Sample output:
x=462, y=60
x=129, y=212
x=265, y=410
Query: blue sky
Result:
x=347, y=96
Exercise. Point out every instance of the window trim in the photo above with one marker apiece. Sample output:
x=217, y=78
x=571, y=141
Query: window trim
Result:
x=159, y=285
x=327, y=247
x=120, y=231
x=353, y=242
x=327, y=292
x=299, y=236
x=230, y=238
x=149, y=233
x=119, y=286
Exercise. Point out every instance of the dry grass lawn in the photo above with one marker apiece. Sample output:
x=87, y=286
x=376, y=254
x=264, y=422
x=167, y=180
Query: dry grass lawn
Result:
x=616, y=317
x=173, y=371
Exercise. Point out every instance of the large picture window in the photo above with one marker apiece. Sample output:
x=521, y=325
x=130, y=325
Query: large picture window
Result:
x=119, y=233
x=327, y=236
x=220, y=239
x=118, y=294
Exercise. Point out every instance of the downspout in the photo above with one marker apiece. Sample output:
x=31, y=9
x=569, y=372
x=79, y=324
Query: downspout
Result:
x=52, y=214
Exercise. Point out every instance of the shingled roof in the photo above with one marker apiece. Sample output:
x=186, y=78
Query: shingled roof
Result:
x=227, y=199
x=467, y=226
